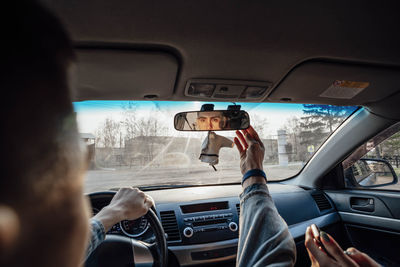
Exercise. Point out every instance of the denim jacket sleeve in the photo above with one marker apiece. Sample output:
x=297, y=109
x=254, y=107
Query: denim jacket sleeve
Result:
x=264, y=238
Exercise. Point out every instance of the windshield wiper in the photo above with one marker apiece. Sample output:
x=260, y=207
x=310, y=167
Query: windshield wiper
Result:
x=163, y=186
x=172, y=186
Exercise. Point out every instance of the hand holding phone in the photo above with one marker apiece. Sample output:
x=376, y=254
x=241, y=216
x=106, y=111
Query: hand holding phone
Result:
x=317, y=237
x=323, y=250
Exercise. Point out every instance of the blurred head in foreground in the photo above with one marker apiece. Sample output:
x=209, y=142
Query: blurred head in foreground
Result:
x=43, y=213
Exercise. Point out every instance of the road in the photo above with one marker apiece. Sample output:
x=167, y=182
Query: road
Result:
x=105, y=179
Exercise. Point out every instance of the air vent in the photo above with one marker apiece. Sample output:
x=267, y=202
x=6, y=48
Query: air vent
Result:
x=170, y=225
x=238, y=209
x=322, y=201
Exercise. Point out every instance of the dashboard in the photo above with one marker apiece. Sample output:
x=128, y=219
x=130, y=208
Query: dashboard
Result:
x=202, y=223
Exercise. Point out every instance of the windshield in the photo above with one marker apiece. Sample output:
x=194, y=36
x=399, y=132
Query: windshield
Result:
x=134, y=143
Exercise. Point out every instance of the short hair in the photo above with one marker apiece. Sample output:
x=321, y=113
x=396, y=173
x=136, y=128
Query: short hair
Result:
x=38, y=104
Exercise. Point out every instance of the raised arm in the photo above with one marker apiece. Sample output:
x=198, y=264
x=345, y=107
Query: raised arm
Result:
x=264, y=238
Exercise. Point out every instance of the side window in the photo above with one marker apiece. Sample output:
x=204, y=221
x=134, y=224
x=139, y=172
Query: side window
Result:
x=375, y=163
x=360, y=170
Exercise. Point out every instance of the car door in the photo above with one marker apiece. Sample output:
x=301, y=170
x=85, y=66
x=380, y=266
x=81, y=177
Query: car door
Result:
x=369, y=206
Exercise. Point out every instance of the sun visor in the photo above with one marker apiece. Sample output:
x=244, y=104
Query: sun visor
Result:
x=388, y=107
x=124, y=75
x=334, y=83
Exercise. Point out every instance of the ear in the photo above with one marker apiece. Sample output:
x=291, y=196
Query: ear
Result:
x=9, y=229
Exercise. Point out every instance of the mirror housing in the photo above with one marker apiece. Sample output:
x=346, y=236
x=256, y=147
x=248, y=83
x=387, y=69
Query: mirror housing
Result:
x=212, y=120
x=368, y=172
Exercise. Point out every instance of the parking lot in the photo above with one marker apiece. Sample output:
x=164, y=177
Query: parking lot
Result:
x=105, y=179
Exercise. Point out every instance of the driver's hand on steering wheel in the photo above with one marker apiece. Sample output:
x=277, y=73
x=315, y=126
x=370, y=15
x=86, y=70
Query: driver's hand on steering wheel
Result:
x=127, y=204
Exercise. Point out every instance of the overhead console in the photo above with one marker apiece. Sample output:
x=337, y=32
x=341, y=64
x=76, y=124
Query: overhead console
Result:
x=227, y=90
x=106, y=74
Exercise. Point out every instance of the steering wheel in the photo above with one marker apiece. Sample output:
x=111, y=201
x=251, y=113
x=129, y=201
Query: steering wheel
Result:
x=124, y=251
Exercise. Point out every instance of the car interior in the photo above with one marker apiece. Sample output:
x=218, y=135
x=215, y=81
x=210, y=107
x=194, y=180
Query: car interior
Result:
x=340, y=53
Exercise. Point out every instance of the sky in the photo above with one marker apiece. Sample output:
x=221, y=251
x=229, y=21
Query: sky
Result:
x=91, y=114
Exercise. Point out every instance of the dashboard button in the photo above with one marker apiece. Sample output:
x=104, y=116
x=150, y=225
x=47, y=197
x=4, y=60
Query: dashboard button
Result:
x=188, y=232
x=233, y=226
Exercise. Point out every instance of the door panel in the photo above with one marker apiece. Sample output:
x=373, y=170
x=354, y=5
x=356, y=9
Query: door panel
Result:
x=377, y=222
x=346, y=200
x=379, y=244
x=337, y=230
x=372, y=222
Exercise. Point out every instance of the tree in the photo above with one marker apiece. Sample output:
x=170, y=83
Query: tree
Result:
x=293, y=130
x=329, y=116
x=130, y=121
x=391, y=146
x=318, y=122
x=259, y=124
x=135, y=125
x=292, y=125
x=108, y=134
x=312, y=134
x=145, y=130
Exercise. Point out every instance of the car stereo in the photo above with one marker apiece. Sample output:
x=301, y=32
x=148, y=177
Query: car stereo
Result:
x=216, y=222
x=223, y=205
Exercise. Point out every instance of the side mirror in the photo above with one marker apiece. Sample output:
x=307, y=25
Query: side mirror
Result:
x=368, y=172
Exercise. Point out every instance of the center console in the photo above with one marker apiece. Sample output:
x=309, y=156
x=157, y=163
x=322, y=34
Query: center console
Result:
x=217, y=222
x=212, y=223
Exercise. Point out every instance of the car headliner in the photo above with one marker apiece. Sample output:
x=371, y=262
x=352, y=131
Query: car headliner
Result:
x=300, y=48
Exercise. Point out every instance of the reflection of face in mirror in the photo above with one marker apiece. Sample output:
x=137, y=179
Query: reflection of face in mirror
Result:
x=216, y=120
x=209, y=121
x=369, y=146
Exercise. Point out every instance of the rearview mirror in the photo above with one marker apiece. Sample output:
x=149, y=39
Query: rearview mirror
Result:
x=217, y=120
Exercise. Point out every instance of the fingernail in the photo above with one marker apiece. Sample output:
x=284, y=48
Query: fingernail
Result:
x=324, y=236
x=349, y=252
x=315, y=230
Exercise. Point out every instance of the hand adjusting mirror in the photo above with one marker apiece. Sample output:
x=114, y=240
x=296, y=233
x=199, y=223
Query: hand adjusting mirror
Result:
x=208, y=119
